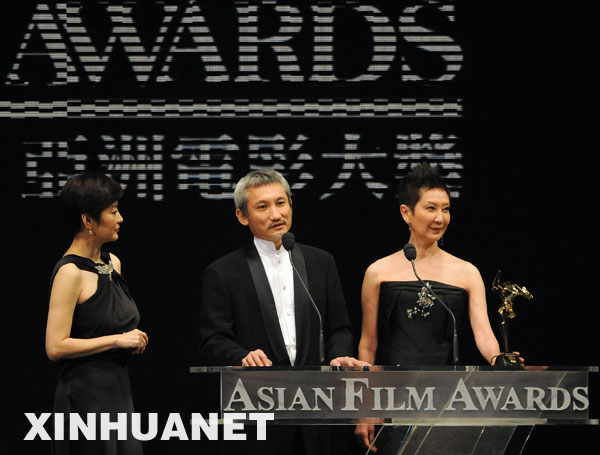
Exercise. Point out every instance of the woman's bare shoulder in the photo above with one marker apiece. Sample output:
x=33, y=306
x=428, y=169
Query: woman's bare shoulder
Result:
x=389, y=268
x=458, y=262
x=385, y=262
x=68, y=279
x=465, y=271
x=68, y=272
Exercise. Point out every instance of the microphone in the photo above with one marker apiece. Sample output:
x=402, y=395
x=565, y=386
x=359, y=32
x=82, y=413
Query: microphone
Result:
x=410, y=252
x=289, y=240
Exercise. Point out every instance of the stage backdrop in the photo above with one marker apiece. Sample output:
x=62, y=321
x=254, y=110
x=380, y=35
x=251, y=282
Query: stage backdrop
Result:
x=179, y=99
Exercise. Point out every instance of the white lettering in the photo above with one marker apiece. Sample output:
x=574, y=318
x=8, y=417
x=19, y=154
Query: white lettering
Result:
x=37, y=426
x=384, y=44
x=281, y=398
x=240, y=395
x=249, y=42
x=580, y=394
x=230, y=425
x=413, y=396
x=77, y=424
x=58, y=33
x=512, y=400
x=327, y=399
x=193, y=24
x=377, y=406
x=461, y=394
x=261, y=423
x=174, y=428
x=265, y=395
x=490, y=396
x=351, y=393
x=136, y=431
x=211, y=430
x=107, y=425
x=299, y=400
x=535, y=397
x=555, y=394
x=46, y=26
x=391, y=401
x=438, y=45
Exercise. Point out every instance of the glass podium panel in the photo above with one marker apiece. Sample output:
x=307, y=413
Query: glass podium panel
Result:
x=448, y=440
x=458, y=410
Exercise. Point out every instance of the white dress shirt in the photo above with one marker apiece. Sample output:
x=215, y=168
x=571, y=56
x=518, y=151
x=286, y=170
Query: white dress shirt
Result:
x=281, y=280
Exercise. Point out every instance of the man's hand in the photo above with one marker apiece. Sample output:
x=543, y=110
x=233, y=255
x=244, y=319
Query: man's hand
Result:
x=347, y=362
x=256, y=358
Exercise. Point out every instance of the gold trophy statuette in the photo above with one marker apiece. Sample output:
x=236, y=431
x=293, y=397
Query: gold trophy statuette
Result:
x=508, y=292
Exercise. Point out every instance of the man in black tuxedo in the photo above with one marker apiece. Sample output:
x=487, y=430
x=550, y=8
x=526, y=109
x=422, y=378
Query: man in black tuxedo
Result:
x=254, y=310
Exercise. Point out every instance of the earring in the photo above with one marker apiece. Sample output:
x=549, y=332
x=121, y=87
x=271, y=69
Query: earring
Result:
x=409, y=229
x=91, y=232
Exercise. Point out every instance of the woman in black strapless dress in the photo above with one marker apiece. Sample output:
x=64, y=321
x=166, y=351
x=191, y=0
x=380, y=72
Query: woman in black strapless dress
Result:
x=92, y=319
x=402, y=323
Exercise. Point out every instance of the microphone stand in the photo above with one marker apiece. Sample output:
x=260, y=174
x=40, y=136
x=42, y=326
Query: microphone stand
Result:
x=321, y=337
x=455, y=359
x=289, y=246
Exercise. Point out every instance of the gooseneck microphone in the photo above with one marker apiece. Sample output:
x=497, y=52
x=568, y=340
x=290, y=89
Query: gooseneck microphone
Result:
x=289, y=240
x=410, y=252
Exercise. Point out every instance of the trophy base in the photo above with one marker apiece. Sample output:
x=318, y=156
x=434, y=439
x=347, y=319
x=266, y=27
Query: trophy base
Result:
x=508, y=360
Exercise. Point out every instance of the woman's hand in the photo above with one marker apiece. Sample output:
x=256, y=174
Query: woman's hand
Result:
x=134, y=339
x=365, y=433
x=521, y=359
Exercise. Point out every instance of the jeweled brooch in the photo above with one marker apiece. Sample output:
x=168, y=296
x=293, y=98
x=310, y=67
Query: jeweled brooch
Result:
x=105, y=269
x=424, y=303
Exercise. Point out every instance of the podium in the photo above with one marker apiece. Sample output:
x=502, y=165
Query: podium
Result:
x=419, y=410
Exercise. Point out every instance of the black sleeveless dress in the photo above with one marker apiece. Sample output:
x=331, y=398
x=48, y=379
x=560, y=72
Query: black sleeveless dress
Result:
x=413, y=328
x=98, y=383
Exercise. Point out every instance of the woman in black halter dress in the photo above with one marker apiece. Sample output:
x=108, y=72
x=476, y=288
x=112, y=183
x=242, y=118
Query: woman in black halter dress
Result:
x=92, y=319
x=402, y=322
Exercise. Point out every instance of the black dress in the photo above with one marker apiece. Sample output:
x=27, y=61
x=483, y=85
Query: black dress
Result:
x=413, y=328
x=98, y=383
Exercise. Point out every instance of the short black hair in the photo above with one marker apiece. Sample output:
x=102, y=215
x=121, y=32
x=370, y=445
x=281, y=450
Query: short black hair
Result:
x=87, y=193
x=421, y=177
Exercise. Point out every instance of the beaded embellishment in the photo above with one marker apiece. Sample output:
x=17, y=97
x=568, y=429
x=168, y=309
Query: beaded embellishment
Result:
x=424, y=303
x=105, y=269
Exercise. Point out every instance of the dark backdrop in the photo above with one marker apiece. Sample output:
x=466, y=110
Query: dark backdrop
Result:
x=524, y=136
